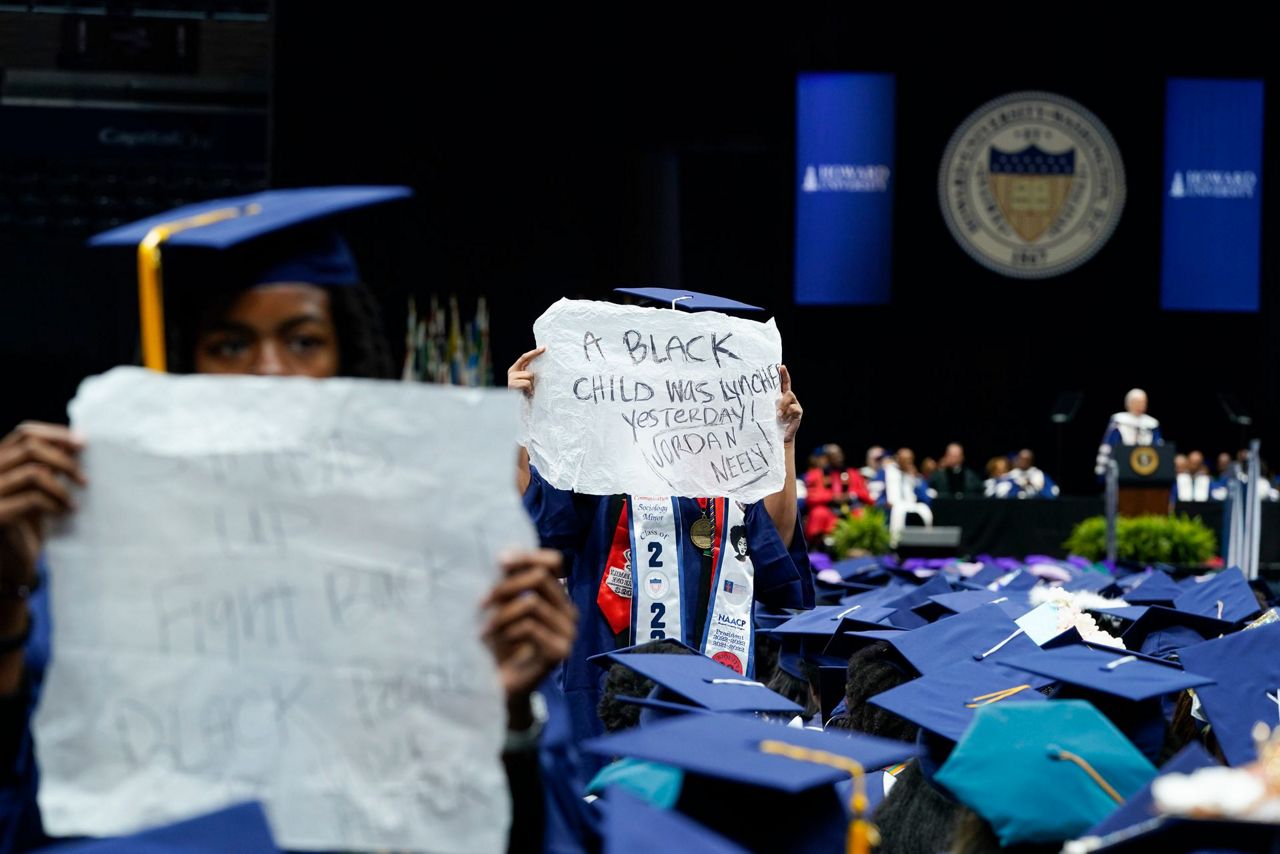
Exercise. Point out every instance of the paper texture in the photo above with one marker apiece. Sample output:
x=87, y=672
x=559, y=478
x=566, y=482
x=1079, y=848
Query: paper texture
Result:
x=271, y=591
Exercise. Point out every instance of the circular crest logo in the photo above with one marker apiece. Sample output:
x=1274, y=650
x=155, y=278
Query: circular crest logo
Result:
x=1144, y=461
x=657, y=583
x=1031, y=185
x=729, y=660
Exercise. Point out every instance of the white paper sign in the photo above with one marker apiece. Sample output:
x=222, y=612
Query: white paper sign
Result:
x=271, y=590
x=651, y=401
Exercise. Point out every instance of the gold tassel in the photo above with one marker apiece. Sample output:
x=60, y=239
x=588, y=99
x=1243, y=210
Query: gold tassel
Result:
x=862, y=835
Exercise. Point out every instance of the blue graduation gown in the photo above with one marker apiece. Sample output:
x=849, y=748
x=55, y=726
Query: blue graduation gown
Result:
x=581, y=527
x=20, y=826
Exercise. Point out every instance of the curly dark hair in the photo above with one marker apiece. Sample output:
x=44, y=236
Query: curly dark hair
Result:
x=916, y=815
x=873, y=670
x=799, y=691
x=621, y=681
x=363, y=349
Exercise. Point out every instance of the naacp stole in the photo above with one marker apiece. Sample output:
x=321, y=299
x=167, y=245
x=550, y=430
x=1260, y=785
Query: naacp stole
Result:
x=658, y=568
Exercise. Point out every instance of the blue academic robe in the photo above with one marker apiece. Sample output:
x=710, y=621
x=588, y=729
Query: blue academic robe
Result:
x=581, y=526
x=20, y=827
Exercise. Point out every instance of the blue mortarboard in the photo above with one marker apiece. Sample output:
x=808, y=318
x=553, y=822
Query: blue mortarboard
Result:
x=700, y=681
x=1161, y=631
x=1176, y=835
x=741, y=761
x=978, y=635
x=853, y=568
x=1125, y=686
x=1246, y=666
x=632, y=826
x=989, y=574
x=1115, y=673
x=767, y=621
x=904, y=617
x=1020, y=582
x=1140, y=806
x=1043, y=772
x=608, y=659
x=688, y=300
x=240, y=828
x=1013, y=604
x=229, y=244
x=1157, y=588
x=1225, y=596
x=1093, y=582
x=945, y=701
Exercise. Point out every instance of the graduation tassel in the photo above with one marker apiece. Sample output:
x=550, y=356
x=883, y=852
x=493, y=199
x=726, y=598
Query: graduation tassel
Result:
x=151, y=280
x=1068, y=756
x=995, y=696
x=862, y=835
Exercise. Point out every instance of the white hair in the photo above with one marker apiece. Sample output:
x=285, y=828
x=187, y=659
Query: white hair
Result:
x=1131, y=394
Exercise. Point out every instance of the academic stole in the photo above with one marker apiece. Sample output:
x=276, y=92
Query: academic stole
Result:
x=727, y=636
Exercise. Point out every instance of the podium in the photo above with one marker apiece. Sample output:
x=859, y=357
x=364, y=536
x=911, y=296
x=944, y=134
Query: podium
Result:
x=1146, y=478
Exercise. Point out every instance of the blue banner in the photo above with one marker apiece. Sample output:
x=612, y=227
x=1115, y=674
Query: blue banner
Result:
x=1212, y=195
x=844, y=188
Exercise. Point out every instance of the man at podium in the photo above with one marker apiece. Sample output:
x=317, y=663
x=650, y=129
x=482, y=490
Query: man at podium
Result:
x=1131, y=427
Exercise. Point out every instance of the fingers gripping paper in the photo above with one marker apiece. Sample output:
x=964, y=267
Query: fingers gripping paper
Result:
x=651, y=401
x=271, y=590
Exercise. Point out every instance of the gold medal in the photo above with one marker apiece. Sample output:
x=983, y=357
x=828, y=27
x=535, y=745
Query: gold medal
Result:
x=700, y=533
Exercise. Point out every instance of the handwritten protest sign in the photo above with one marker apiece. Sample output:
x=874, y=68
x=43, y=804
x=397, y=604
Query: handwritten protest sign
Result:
x=652, y=401
x=271, y=590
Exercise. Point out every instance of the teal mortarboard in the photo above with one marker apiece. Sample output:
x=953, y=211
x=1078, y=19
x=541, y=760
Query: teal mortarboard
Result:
x=1156, y=588
x=741, y=774
x=1043, y=772
x=231, y=244
x=699, y=681
x=945, y=701
x=1224, y=596
x=632, y=826
x=688, y=300
x=239, y=828
x=1246, y=667
x=1140, y=807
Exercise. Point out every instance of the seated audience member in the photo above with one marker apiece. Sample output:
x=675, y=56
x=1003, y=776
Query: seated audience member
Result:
x=903, y=492
x=1190, y=483
x=953, y=479
x=998, y=483
x=1031, y=481
x=831, y=487
x=869, y=471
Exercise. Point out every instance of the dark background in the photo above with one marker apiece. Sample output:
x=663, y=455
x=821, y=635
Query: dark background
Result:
x=555, y=161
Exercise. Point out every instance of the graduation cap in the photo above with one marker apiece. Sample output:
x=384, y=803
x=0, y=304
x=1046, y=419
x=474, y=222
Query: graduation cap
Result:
x=1123, y=686
x=1014, y=605
x=1156, y=588
x=1173, y=834
x=632, y=826
x=1225, y=596
x=1043, y=772
x=904, y=617
x=1093, y=582
x=272, y=236
x=1246, y=667
x=761, y=769
x=1115, y=673
x=698, y=681
x=810, y=633
x=945, y=701
x=687, y=300
x=240, y=828
x=1140, y=807
x=981, y=634
x=1162, y=632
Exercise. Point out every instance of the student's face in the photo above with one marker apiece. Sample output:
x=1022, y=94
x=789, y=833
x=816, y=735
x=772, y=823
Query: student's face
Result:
x=272, y=330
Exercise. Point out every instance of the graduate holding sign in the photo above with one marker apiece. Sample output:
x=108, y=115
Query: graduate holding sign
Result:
x=660, y=565
x=263, y=286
